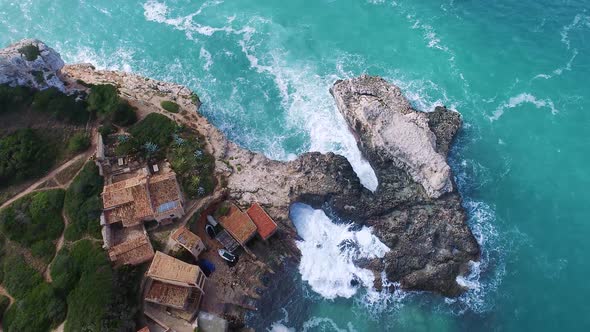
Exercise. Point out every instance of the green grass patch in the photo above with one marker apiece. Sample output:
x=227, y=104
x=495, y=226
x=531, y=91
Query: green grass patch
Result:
x=170, y=106
x=83, y=204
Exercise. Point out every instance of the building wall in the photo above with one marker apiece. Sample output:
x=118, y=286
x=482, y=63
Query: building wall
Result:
x=177, y=212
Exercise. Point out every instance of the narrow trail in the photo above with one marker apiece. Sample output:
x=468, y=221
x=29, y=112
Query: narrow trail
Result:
x=4, y=292
x=58, y=246
x=52, y=175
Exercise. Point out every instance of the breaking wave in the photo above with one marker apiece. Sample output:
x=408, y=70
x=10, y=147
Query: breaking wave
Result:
x=329, y=253
x=523, y=98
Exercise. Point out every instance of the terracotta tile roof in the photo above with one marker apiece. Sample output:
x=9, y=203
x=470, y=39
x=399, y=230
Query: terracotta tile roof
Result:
x=168, y=295
x=127, y=201
x=120, y=192
x=163, y=189
x=266, y=226
x=132, y=252
x=238, y=224
x=185, y=237
x=168, y=268
x=136, y=199
x=145, y=329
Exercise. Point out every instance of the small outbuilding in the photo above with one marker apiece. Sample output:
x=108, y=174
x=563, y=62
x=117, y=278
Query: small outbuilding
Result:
x=189, y=241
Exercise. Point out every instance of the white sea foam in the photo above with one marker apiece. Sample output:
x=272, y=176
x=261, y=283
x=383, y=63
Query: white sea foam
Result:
x=205, y=55
x=579, y=21
x=119, y=59
x=278, y=327
x=329, y=252
x=523, y=98
x=305, y=96
x=321, y=323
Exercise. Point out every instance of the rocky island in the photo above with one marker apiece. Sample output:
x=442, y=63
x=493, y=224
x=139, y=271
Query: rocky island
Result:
x=416, y=210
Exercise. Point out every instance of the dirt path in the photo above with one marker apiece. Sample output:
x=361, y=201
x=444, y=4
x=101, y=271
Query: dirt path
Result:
x=58, y=246
x=4, y=292
x=53, y=174
x=32, y=187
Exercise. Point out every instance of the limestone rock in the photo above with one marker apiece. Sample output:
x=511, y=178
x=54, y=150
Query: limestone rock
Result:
x=41, y=71
x=393, y=131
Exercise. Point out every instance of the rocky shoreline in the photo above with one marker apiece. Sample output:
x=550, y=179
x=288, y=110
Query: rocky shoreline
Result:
x=416, y=210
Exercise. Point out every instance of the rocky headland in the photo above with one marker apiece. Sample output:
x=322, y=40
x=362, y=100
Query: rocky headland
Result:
x=416, y=210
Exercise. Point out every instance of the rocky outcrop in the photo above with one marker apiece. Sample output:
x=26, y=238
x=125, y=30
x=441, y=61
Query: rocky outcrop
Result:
x=415, y=210
x=31, y=63
x=391, y=130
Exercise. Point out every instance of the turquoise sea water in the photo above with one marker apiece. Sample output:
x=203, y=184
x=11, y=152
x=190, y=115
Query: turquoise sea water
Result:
x=517, y=71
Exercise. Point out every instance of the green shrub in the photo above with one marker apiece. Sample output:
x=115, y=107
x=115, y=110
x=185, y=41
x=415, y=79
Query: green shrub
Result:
x=15, y=98
x=79, y=142
x=62, y=106
x=192, y=164
x=40, y=310
x=39, y=78
x=4, y=303
x=31, y=52
x=83, y=204
x=23, y=155
x=19, y=278
x=35, y=221
x=170, y=106
x=100, y=298
x=105, y=130
x=103, y=99
x=152, y=135
x=124, y=114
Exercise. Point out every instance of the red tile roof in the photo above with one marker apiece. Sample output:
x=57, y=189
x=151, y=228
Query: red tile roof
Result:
x=266, y=226
x=238, y=224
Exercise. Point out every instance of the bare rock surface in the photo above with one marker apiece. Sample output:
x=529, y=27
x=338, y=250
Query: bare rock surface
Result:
x=391, y=130
x=40, y=71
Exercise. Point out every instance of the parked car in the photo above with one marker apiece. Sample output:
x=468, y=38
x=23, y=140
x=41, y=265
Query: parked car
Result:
x=228, y=256
x=211, y=221
x=210, y=231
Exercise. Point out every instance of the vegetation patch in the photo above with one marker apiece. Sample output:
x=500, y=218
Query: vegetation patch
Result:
x=104, y=100
x=157, y=137
x=79, y=142
x=37, y=306
x=68, y=108
x=14, y=98
x=99, y=298
x=23, y=155
x=86, y=292
x=4, y=303
x=64, y=107
x=193, y=165
x=170, y=106
x=83, y=205
x=30, y=52
x=35, y=221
